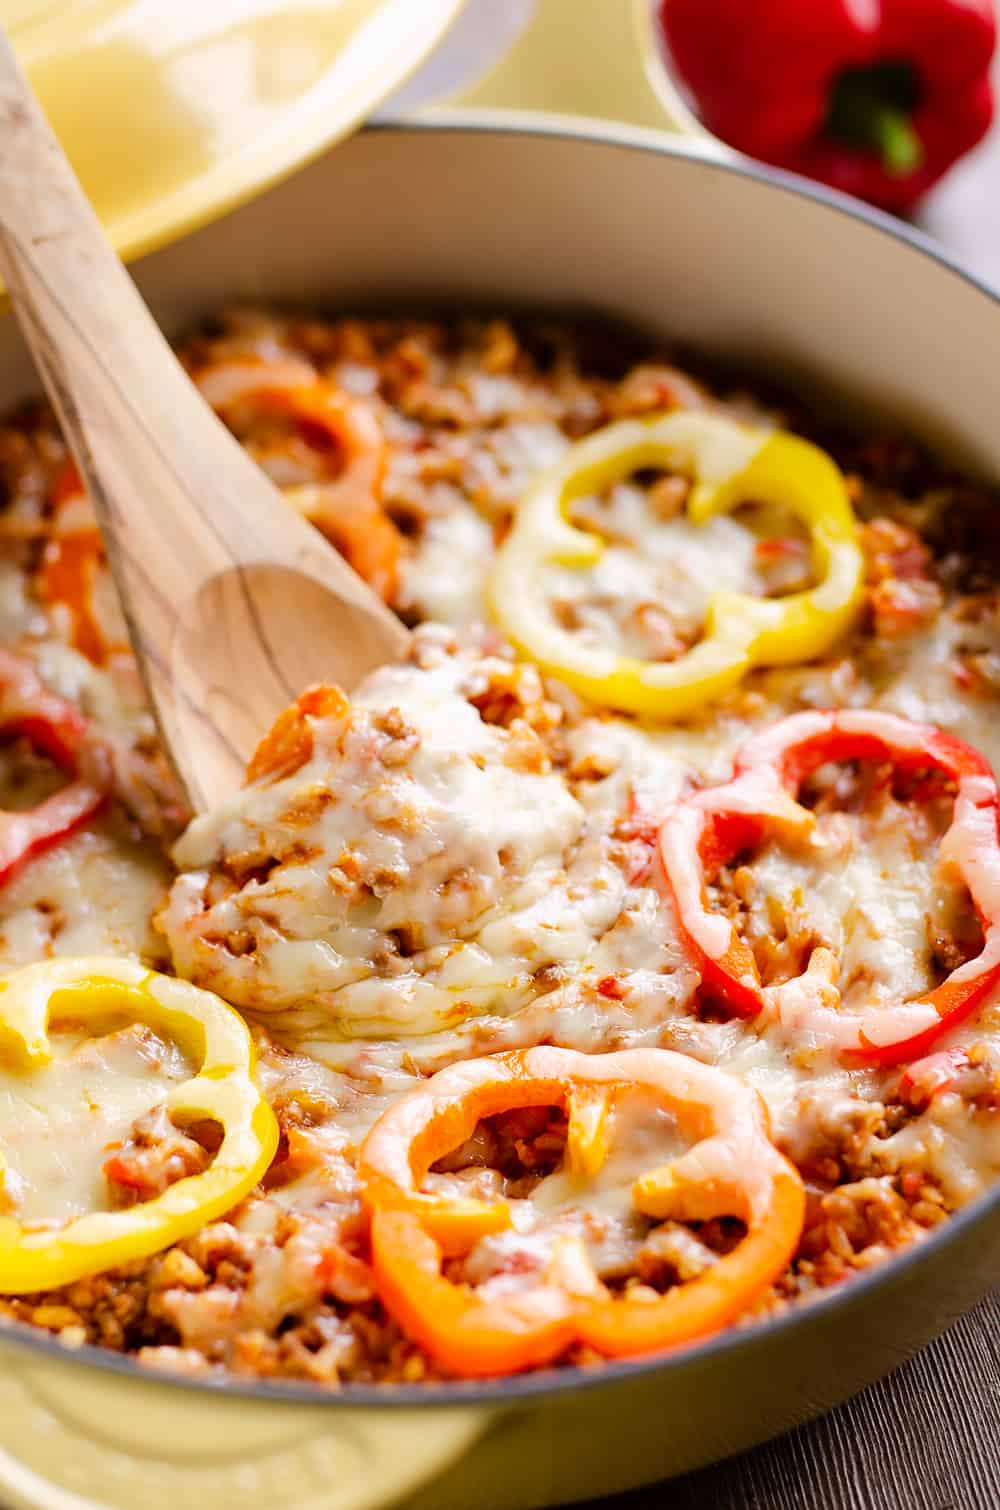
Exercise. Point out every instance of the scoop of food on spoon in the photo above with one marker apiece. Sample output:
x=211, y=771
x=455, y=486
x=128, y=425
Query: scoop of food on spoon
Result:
x=233, y=601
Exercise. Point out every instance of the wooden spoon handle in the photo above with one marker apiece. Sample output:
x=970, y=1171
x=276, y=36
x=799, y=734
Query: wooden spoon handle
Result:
x=127, y=409
x=226, y=591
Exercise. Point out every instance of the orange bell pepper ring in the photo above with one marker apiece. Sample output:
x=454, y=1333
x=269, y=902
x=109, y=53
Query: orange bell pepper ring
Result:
x=732, y=1168
x=710, y=827
x=347, y=506
x=70, y=562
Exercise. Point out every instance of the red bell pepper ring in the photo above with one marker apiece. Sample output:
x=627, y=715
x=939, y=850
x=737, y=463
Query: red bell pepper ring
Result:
x=27, y=708
x=56, y=729
x=709, y=828
x=926, y=1078
x=877, y=99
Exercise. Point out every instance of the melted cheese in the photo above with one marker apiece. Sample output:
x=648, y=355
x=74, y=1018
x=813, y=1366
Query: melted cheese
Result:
x=648, y=593
x=446, y=579
x=406, y=894
x=58, y=1124
x=863, y=890
x=596, y=1211
x=93, y=894
x=868, y=895
x=19, y=613
x=112, y=696
x=619, y=974
x=917, y=679
x=958, y=1148
x=486, y=904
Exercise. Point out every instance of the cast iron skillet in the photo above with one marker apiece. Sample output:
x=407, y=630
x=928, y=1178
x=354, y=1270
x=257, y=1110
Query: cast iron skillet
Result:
x=675, y=238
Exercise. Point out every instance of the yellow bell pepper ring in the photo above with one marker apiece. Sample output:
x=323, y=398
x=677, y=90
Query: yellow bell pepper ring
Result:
x=731, y=464
x=223, y=1091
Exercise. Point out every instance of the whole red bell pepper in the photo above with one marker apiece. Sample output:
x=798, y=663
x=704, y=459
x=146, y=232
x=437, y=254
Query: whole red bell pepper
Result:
x=875, y=97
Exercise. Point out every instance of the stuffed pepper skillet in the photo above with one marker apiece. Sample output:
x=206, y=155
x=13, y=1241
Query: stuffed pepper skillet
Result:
x=503, y=951
x=617, y=973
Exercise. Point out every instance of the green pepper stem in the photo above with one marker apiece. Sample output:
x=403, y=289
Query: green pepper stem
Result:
x=891, y=132
x=872, y=108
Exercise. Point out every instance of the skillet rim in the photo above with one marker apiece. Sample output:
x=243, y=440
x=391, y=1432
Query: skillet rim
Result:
x=548, y=1384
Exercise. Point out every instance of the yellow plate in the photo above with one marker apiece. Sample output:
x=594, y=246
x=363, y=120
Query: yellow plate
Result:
x=174, y=110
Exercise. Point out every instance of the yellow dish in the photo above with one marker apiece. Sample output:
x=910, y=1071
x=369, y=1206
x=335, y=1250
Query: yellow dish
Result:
x=173, y=111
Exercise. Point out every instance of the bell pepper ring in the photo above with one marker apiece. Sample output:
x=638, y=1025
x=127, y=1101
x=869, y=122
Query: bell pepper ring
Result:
x=222, y=1091
x=347, y=507
x=70, y=562
x=56, y=729
x=709, y=828
x=931, y=1076
x=732, y=464
x=732, y=1168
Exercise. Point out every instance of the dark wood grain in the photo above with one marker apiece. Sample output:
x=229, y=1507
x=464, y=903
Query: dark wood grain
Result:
x=925, y=1438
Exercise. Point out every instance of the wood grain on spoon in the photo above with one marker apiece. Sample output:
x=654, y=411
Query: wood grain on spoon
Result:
x=233, y=602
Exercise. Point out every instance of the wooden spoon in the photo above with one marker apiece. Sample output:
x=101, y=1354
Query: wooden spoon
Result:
x=233, y=602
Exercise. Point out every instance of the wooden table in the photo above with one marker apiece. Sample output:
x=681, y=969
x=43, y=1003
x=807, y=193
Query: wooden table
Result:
x=925, y=1438
x=928, y=1436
